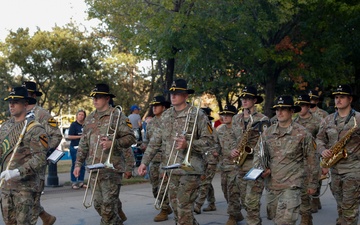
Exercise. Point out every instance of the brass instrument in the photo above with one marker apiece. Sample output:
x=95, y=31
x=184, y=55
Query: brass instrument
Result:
x=28, y=119
x=244, y=149
x=185, y=165
x=111, y=135
x=338, y=150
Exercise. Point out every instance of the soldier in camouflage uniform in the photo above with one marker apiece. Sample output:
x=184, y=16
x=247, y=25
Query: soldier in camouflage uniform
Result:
x=228, y=169
x=94, y=147
x=55, y=137
x=311, y=123
x=250, y=190
x=171, y=138
x=21, y=180
x=315, y=110
x=206, y=190
x=159, y=105
x=345, y=174
x=290, y=148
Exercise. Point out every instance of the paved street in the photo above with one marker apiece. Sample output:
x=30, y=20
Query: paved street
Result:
x=137, y=200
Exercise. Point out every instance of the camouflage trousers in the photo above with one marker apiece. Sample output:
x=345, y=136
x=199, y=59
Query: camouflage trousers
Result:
x=254, y=190
x=37, y=208
x=183, y=191
x=206, y=190
x=305, y=206
x=155, y=180
x=231, y=192
x=17, y=207
x=284, y=205
x=106, y=197
x=346, y=191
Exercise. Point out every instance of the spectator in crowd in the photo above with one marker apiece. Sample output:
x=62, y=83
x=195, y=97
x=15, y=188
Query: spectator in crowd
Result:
x=135, y=120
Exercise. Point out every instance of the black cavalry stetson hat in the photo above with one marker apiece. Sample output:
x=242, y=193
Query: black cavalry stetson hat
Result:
x=208, y=111
x=160, y=100
x=286, y=102
x=179, y=86
x=229, y=110
x=314, y=94
x=304, y=100
x=18, y=93
x=31, y=87
x=101, y=89
x=344, y=90
x=251, y=92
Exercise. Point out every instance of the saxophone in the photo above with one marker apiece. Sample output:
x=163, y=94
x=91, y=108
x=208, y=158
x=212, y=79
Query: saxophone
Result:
x=244, y=149
x=338, y=150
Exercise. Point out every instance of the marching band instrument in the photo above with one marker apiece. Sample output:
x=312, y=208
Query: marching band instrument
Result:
x=244, y=149
x=157, y=204
x=28, y=119
x=338, y=150
x=89, y=204
x=111, y=135
x=185, y=165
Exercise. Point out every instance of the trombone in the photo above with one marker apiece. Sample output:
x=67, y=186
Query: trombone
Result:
x=185, y=165
x=111, y=135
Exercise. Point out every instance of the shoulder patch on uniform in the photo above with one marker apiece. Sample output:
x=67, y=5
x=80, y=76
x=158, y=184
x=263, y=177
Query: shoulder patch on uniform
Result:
x=210, y=127
x=52, y=122
x=128, y=123
x=44, y=140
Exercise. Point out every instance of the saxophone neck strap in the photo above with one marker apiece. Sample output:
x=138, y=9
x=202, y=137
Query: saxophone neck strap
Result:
x=351, y=114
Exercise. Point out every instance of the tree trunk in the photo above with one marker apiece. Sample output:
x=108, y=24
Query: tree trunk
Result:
x=270, y=86
x=170, y=67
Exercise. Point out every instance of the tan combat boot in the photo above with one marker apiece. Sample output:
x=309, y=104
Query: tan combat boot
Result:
x=122, y=215
x=231, y=220
x=306, y=219
x=162, y=216
x=239, y=217
x=210, y=207
x=47, y=218
x=169, y=210
x=197, y=209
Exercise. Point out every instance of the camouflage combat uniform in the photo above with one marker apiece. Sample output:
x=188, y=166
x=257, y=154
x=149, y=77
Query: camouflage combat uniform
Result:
x=154, y=172
x=206, y=190
x=55, y=137
x=106, y=197
x=290, y=150
x=250, y=190
x=184, y=184
x=18, y=194
x=228, y=170
x=320, y=113
x=345, y=175
x=312, y=125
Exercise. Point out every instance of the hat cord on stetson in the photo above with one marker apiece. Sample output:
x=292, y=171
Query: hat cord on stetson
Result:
x=177, y=88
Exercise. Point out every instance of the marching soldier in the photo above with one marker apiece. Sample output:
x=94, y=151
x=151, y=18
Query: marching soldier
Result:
x=228, y=168
x=55, y=137
x=246, y=128
x=311, y=123
x=24, y=144
x=339, y=133
x=95, y=145
x=159, y=105
x=290, y=148
x=172, y=139
x=206, y=190
x=314, y=109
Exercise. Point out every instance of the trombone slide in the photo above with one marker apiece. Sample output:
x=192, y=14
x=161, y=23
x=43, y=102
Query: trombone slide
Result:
x=95, y=166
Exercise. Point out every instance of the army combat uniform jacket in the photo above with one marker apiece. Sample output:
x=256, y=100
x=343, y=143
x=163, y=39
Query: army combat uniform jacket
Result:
x=331, y=131
x=289, y=153
x=172, y=125
x=29, y=158
x=95, y=127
